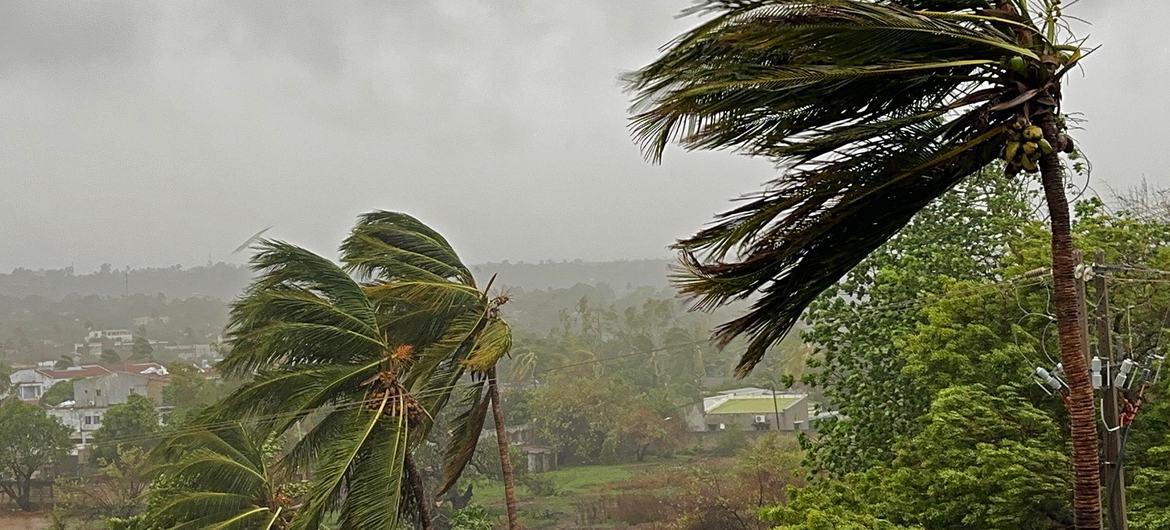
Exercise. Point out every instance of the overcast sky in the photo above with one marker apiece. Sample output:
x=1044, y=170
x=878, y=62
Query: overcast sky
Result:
x=161, y=133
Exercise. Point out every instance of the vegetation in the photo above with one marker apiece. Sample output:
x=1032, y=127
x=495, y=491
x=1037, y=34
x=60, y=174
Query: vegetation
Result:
x=30, y=440
x=220, y=478
x=131, y=424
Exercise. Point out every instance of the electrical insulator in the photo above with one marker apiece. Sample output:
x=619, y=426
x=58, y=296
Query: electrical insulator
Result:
x=1123, y=374
x=1095, y=368
x=1047, y=378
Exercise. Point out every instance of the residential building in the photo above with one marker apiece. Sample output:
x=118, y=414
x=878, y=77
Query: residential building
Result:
x=29, y=384
x=749, y=409
x=117, y=336
x=117, y=387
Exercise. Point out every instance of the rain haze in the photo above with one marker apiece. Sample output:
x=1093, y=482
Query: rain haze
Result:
x=152, y=134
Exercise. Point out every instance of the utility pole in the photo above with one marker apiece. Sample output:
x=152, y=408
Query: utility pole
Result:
x=1082, y=273
x=1113, y=472
x=775, y=406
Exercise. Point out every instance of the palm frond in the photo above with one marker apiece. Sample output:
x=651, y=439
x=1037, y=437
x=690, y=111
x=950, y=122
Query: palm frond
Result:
x=465, y=432
x=337, y=463
x=491, y=345
x=374, y=487
x=392, y=246
x=870, y=109
x=301, y=309
x=285, y=396
x=812, y=227
x=220, y=477
x=757, y=76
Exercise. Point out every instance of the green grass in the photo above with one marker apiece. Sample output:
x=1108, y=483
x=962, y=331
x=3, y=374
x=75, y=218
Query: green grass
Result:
x=571, y=482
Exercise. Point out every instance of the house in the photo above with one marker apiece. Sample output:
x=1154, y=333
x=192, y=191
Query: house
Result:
x=749, y=409
x=117, y=336
x=81, y=420
x=117, y=387
x=29, y=384
x=538, y=458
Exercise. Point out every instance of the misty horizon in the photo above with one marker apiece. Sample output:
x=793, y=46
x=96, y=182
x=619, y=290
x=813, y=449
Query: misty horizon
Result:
x=149, y=134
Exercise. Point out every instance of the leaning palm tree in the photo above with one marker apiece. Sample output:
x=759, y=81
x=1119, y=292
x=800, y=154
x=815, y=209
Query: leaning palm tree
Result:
x=355, y=368
x=218, y=479
x=872, y=108
x=494, y=344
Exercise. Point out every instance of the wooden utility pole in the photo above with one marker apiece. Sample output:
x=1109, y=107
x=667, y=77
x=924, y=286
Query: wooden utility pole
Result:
x=1112, y=470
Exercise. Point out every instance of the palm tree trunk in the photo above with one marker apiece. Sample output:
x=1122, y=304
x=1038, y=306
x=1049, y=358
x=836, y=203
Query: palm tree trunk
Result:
x=502, y=445
x=416, y=484
x=1085, y=459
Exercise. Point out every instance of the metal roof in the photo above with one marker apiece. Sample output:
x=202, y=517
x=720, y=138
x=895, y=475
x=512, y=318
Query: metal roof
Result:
x=753, y=405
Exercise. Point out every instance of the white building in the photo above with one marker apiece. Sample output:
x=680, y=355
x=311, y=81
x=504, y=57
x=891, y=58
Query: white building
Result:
x=29, y=384
x=118, y=336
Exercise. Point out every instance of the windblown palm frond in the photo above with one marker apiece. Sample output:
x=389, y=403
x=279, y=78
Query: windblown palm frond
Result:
x=870, y=109
x=219, y=479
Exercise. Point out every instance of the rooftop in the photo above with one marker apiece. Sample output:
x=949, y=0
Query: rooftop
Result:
x=753, y=405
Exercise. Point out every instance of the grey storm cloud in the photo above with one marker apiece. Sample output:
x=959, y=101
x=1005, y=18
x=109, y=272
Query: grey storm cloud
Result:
x=154, y=133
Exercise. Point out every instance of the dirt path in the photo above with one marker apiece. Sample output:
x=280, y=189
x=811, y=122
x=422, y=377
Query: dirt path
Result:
x=23, y=521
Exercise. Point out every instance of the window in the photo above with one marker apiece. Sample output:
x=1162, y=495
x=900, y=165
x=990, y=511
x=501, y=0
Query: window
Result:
x=99, y=392
x=93, y=420
x=29, y=392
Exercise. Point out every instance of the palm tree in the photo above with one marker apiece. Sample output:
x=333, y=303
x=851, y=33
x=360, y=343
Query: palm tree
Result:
x=218, y=479
x=362, y=365
x=872, y=109
x=494, y=343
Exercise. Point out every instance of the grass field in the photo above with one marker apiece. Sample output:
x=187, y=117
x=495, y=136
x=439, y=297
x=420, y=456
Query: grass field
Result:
x=571, y=483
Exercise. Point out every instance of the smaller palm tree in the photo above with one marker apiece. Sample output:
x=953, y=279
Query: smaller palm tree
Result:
x=492, y=345
x=220, y=480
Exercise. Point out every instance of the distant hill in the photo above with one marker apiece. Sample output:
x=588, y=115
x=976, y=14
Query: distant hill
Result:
x=225, y=281
x=221, y=280
x=618, y=275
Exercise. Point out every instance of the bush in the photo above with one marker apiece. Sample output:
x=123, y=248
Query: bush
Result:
x=730, y=442
x=473, y=517
x=539, y=485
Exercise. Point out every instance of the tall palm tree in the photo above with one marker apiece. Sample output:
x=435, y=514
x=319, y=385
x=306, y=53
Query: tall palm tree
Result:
x=219, y=479
x=872, y=109
x=361, y=364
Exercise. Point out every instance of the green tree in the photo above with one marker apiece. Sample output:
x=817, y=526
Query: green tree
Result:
x=1149, y=505
x=133, y=424
x=110, y=356
x=578, y=417
x=220, y=478
x=856, y=324
x=873, y=110
x=30, y=441
x=117, y=489
x=141, y=350
x=188, y=391
x=61, y=391
x=5, y=373
x=366, y=362
x=982, y=460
